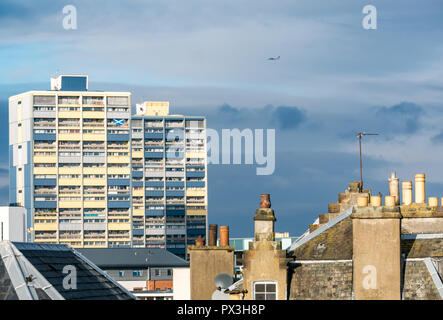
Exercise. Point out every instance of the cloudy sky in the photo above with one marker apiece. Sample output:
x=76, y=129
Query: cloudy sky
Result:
x=334, y=79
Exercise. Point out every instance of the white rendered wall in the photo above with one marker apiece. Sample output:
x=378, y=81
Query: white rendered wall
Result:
x=12, y=224
x=181, y=281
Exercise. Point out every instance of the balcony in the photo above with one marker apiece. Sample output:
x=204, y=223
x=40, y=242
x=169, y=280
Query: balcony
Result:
x=94, y=192
x=93, y=124
x=137, y=163
x=93, y=102
x=93, y=148
x=45, y=237
x=67, y=124
x=70, y=237
x=45, y=192
x=45, y=146
x=95, y=236
x=39, y=124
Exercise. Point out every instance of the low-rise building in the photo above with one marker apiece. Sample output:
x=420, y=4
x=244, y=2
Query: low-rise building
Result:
x=33, y=271
x=146, y=272
x=360, y=249
x=13, y=223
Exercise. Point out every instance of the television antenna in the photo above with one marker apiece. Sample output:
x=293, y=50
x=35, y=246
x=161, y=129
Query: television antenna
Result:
x=360, y=135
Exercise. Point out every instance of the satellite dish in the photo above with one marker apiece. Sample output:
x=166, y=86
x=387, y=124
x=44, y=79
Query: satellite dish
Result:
x=220, y=295
x=223, y=281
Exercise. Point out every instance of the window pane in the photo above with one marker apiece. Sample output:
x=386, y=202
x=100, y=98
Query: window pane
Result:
x=260, y=287
x=270, y=296
x=270, y=287
x=259, y=297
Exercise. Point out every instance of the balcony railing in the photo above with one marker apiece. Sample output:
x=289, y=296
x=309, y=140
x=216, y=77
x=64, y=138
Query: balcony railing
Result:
x=44, y=124
x=45, y=191
x=68, y=124
x=93, y=124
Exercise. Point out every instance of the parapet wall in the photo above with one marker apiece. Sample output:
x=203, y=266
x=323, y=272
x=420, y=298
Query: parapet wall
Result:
x=421, y=219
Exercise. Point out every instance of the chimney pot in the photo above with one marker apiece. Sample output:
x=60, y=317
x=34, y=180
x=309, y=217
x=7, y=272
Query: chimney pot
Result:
x=389, y=201
x=265, y=201
x=376, y=201
x=433, y=201
x=406, y=187
x=212, y=235
x=362, y=201
x=224, y=236
x=420, y=188
x=394, y=187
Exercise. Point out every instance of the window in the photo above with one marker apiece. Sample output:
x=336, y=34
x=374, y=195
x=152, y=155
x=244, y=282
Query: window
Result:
x=265, y=290
x=121, y=273
x=169, y=272
x=157, y=272
x=137, y=273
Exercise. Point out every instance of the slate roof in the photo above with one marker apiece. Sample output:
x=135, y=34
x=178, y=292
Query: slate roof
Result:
x=142, y=258
x=323, y=263
x=31, y=271
x=332, y=241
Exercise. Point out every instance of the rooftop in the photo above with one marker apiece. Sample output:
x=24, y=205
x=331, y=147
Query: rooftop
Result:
x=31, y=271
x=132, y=257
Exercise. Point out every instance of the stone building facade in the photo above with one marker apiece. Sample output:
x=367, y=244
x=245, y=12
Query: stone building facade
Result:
x=359, y=249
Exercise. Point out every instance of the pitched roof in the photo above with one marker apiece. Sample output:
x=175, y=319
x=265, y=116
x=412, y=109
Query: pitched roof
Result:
x=332, y=241
x=132, y=257
x=31, y=271
x=309, y=236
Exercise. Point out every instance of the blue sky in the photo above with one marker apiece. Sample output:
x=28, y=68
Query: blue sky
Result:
x=333, y=80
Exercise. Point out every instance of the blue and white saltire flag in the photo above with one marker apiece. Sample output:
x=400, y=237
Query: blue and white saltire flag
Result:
x=119, y=122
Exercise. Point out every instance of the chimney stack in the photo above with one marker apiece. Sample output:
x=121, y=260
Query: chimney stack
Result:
x=394, y=188
x=224, y=236
x=264, y=220
x=212, y=235
x=406, y=187
x=420, y=188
